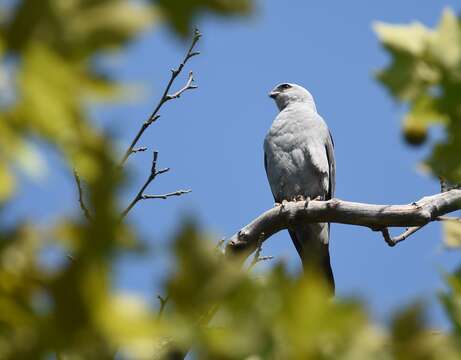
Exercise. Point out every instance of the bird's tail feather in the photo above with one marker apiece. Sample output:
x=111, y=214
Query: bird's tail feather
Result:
x=311, y=242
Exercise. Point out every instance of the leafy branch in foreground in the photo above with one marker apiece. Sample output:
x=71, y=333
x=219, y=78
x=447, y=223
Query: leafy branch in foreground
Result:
x=376, y=217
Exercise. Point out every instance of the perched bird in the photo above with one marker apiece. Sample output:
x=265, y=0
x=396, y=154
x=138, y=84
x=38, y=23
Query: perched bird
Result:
x=300, y=165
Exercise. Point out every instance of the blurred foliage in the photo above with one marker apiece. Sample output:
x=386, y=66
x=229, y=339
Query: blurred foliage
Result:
x=452, y=233
x=69, y=309
x=182, y=13
x=425, y=73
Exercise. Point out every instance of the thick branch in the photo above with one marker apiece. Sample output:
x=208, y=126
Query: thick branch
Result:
x=376, y=217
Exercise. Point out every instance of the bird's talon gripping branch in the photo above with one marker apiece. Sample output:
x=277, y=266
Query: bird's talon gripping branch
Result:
x=306, y=202
x=334, y=203
x=284, y=204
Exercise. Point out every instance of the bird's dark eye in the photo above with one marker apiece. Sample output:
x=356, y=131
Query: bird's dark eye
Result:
x=284, y=86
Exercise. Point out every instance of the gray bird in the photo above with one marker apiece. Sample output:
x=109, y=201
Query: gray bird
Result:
x=300, y=164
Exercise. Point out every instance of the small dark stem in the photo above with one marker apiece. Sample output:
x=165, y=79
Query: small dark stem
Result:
x=85, y=210
x=163, y=302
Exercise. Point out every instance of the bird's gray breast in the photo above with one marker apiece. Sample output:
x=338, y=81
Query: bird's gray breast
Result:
x=296, y=160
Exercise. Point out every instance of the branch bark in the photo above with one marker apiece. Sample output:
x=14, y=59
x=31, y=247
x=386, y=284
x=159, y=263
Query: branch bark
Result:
x=375, y=217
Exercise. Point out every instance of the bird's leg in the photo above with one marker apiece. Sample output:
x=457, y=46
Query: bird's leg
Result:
x=306, y=203
x=283, y=204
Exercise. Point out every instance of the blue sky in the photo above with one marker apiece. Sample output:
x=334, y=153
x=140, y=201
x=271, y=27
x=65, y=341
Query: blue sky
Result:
x=212, y=139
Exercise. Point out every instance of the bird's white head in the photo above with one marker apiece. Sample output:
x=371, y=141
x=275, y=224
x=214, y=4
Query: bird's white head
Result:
x=286, y=94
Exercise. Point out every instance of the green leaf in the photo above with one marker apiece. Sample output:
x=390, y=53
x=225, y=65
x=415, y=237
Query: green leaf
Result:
x=423, y=113
x=129, y=325
x=410, y=39
x=445, y=44
x=76, y=29
x=452, y=231
x=445, y=161
x=411, y=339
x=182, y=15
x=7, y=182
x=408, y=77
x=425, y=72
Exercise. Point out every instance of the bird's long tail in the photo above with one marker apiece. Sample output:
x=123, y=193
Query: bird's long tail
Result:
x=311, y=242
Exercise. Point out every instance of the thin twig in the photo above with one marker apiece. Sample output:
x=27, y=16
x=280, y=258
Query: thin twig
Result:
x=165, y=96
x=257, y=256
x=188, y=86
x=141, y=149
x=166, y=196
x=85, y=210
x=392, y=241
x=448, y=218
x=139, y=196
x=163, y=302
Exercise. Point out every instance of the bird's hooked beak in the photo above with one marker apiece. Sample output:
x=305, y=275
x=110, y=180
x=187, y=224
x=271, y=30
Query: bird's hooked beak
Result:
x=273, y=94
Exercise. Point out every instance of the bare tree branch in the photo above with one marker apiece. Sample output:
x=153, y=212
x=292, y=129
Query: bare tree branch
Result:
x=165, y=96
x=188, y=86
x=139, y=196
x=257, y=256
x=392, y=241
x=85, y=210
x=141, y=149
x=166, y=196
x=376, y=217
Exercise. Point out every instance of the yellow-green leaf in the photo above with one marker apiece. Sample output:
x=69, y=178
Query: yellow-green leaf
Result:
x=452, y=231
x=445, y=45
x=7, y=182
x=412, y=38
